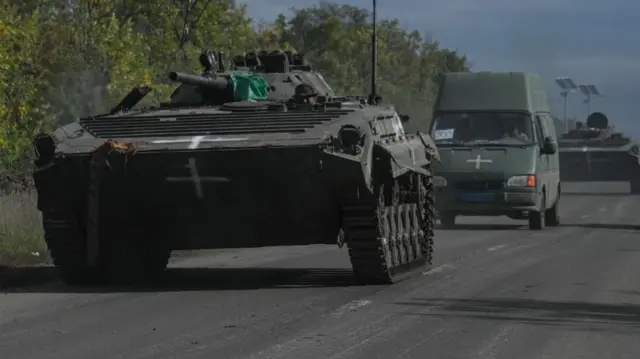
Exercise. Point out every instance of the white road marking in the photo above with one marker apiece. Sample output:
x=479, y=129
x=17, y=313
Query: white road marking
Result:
x=584, y=216
x=351, y=307
x=439, y=269
x=495, y=248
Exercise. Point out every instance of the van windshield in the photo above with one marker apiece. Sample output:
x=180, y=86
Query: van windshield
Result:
x=504, y=128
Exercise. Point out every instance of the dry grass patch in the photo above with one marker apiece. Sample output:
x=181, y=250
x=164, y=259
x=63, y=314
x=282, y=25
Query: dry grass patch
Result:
x=21, y=236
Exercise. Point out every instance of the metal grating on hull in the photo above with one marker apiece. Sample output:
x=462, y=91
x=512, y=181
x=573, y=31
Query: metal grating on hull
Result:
x=169, y=125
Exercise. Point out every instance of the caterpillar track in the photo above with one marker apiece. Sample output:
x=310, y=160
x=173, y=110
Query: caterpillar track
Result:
x=390, y=234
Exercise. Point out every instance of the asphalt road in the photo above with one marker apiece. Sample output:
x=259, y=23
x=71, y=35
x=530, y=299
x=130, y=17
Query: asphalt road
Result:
x=497, y=290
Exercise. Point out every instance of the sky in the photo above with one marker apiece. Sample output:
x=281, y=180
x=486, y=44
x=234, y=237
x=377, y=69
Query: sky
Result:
x=593, y=42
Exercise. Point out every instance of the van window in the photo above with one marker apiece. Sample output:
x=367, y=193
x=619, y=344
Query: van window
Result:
x=550, y=126
x=478, y=127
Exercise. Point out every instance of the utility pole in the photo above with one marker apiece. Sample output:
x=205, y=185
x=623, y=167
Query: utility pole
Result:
x=568, y=86
x=590, y=92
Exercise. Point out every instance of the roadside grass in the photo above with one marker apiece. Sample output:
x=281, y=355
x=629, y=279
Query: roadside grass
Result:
x=21, y=236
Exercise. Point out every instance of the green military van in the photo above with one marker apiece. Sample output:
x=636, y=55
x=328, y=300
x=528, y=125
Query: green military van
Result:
x=498, y=149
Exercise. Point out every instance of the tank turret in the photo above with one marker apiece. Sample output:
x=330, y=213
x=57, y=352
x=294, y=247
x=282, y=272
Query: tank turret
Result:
x=595, y=152
x=283, y=71
x=596, y=129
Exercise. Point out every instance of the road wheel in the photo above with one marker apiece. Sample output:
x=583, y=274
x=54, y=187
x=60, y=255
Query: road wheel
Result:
x=447, y=219
x=537, y=218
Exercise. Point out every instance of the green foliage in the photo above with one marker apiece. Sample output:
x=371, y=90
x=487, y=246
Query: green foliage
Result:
x=22, y=111
x=60, y=60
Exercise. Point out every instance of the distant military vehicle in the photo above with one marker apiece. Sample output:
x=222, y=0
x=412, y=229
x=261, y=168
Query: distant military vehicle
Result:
x=497, y=142
x=594, y=152
x=225, y=165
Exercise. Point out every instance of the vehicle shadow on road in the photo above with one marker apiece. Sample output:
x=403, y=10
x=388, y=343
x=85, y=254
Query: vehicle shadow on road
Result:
x=615, y=226
x=45, y=280
x=576, y=315
x=481, y=227
x=596, y=194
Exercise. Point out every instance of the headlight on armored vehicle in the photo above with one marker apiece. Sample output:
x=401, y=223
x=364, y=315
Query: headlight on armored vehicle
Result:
x=522, y=181
x=44, y=147
x=349, y=136
x=439, y=181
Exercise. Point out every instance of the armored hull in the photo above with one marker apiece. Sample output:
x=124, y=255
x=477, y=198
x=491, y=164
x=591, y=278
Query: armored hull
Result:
x=118, y=193
x=597, y=154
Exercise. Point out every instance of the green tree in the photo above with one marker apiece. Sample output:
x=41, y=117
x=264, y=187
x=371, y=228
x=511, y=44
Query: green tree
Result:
x=337, y=41
x=23, y=113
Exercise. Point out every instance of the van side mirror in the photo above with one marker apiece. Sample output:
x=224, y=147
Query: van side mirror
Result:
x=549, y=147
x=404, y=118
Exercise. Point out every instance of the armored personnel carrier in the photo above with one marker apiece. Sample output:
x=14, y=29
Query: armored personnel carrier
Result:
x=210, y=169
x=594, y=152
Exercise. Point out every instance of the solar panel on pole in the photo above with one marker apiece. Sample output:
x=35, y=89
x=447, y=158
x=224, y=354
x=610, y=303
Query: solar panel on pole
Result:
x=572, y=85
x=566, y=83
x=593, y=90
x=590, y=92
x=585, y=90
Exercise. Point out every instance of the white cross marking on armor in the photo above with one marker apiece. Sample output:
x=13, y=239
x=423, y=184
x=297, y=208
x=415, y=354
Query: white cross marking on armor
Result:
x=195, y=141
x=412, y=153
x=196, y=179
x=478, y=160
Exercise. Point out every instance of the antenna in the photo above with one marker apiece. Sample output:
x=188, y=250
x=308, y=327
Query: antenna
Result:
x=374, y=57
x=590, y=92
x=568, y=86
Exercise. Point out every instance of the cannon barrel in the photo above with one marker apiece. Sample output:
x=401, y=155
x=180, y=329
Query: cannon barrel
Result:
x=219, y=83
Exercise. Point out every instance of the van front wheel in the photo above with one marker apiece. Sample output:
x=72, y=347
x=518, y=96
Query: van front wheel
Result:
x=537, y=218
x=553, y=214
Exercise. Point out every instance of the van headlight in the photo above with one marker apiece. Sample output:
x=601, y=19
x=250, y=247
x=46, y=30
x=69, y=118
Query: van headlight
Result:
x=439, y=181
x=522, y=181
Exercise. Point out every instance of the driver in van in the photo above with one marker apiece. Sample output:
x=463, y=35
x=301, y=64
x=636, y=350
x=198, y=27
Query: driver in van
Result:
x=515, y=133
x=463, y=130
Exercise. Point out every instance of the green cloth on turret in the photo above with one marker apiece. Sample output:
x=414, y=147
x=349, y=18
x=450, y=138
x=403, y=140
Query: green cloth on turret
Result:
x=249, y=87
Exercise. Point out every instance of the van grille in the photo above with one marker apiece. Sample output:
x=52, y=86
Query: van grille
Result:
x=480, y=185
